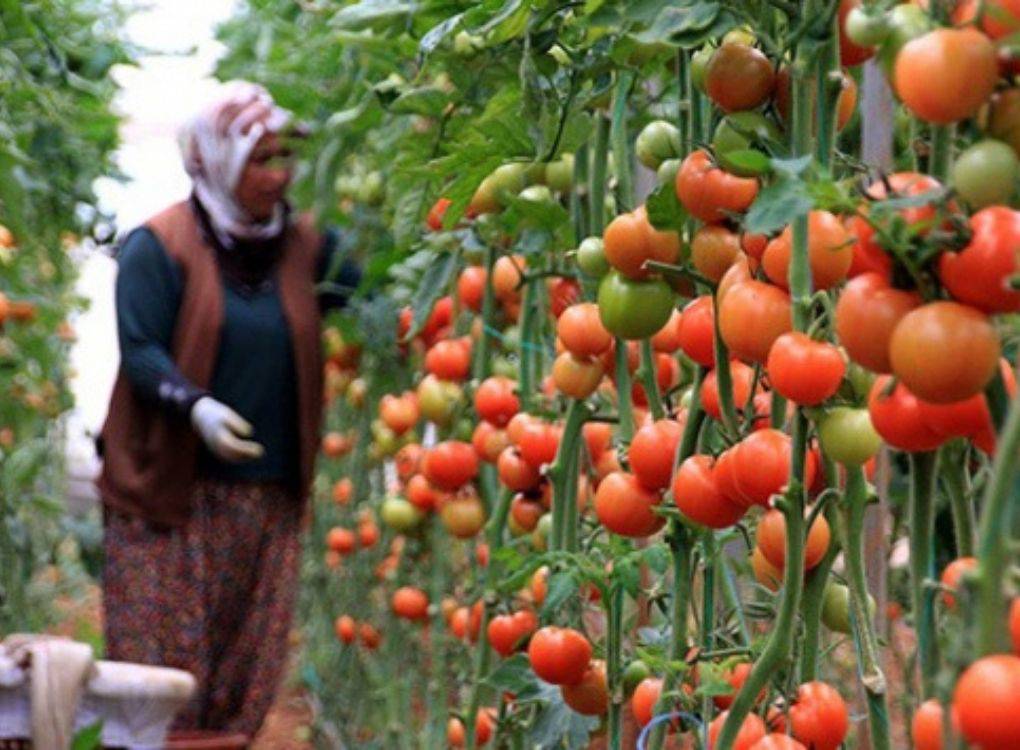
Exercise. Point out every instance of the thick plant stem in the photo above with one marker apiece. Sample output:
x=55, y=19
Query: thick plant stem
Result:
x=994, y=537
x=621, y=143
x=777, y=650
x=811, y=612
x=954, y=480
x=437, y=681
x=709, y=550
x=579, y=209
x=614, y=665
x=850, y=528
x=563, y=476
x=649, y=381
x=482, y=365
x=941, y=156
x=922, y=565
x=684, y=118
x=626, y=407
x=599, y=162
x=526, y=378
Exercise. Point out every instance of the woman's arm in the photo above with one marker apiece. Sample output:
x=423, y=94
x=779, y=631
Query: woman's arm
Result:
x=337, y=275
x=148, y=293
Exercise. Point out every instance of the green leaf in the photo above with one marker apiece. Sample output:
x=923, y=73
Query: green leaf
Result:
x=746, y=162
x=432, y=286
x=427, y=100
x=778, y=205
x=664, y=209
x=369, y=12
x=88, y=738
x=513, y=675
x=562, y=587
x=557, y=725
x=435, y=36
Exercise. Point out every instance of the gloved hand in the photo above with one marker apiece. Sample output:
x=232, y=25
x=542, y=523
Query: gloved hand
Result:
x=223, y=430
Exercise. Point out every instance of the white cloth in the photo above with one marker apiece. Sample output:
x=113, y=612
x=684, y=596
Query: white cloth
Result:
x=215, y=146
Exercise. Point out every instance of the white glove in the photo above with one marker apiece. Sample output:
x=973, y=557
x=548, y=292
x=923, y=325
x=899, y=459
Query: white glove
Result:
x=222, y=429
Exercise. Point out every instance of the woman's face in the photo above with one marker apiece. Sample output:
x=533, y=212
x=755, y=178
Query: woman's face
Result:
x=265, y=178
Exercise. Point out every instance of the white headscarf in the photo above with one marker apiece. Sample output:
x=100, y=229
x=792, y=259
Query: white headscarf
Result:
x=216, y=144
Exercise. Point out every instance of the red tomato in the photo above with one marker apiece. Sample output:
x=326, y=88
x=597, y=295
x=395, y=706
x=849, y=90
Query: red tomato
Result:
x=898, y=418
x=399, y=413
x=539, y=442
x=830, y=252
x=597, y=437
x=645, y=697
x=772, y=540
x=581, y=331
x=410, y=603
x=805, y=371
x=867, y=313
x=471, y=287
x=563, y=292
x=987, y=702
x=590, y=696
x=697, y=495
x=489, y=441
x=436, y=214
x=868, y=257
x=736, y=676
x=742, y=377
x=559, y=655
x=710, y=194
x=667, y=340
x=450, y=465
x=980, y=274
x=507, y=632
x=926, y=727
x=652, y=452
x=951, y=576
x=1014, y=624
x=626, y=508
x=776, y=741
x=341, y=540
x=345, y=628
x=819, y=717
x=967, y=418
x=751, y=731
x=762, y=466
x=751, y=317
x=495, y=400
x=696, y=331
x=449, y=360
x=515, y=473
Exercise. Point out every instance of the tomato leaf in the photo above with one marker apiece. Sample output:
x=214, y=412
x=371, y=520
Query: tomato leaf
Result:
x=432, y=286
x=88, y=738
x=562, y=587
x=369, y=12
x=778, y=205
x=664, y=209
x=434, y=36
x=513, y=675
x=429, y=101
x=557, y=725
x=748, y=161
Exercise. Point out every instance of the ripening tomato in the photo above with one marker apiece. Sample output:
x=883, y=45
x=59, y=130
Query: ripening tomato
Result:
x=897, y=417
x=986, y=702
x=926, y=727
x=805, y=371
x=507, y=277
x=559, y=655
x=846, y=103
x=710, y=194
x=581, y=331
x=463, y=516
x=450, y=465
x=630, y=240
x=495, y=400
x=742, y=377
x=526, y=512
x=539, y=442
x=951, y=577
x=577, y=377
x=830, y=252
x=944, y=352
x=515, y=473
x=434, y=220
x=765, y=573
x=736, y=676
x=489, y=441
x=341, y=540
x=507, y=632
x=645, y=697
x=345, y=628
x=634, y=309
x=751, y=731
x=969, y=418
x=597, y=437
x=850, y=54
x=697, y=495
x=980, y=274
x=696, y=330
x=777, y=741
x=399, y=413
x=963, y=61
x=751, y=317
x=772, y=540
x=739, y=77
x=847, y=435
x=867, y=314
x=652, y=452
x=713, y=250
x=590, y=696
x=410, y=603
x=819, y=717
x=626, y=508
x=667, y=339
x=370, y=637
x=449, y=360
x=471, y=287
x=563, y=292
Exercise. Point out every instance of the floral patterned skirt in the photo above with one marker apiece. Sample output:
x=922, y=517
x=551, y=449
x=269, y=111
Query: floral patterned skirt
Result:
x=213, y=597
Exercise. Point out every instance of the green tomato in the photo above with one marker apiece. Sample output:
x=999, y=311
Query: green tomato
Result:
x=858, y=381
x=865, y=27
x=438, y=399
x=463, y=430
x=699, y=66
x=504, y=366
x=591, y=257
x=634, y=309
x=467, y=44
x=906, y=22
x=537, y=194
x=635, y=672
x=741, y=131
x=559, y=175
x=847, y=435
x=658, y=140
x=540, y=536
x=399, y=514
x=836, y=607
x=508, y=179
x=666, y=174
x=512, y=339
x=986, y=174
x=534, y=174
x=742, y=35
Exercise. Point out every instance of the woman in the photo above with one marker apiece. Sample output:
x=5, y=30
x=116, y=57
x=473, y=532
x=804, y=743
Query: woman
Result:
x=213, y=425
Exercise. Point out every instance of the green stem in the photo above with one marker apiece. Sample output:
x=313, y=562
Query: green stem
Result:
x=525, y=381
x=994, y=537
x=684, y=110
x=850, y=528
x=563, y=476
x=483, y=360
x=922, y=565
x=600, y=159
x=579, y=209
x=625, y=407
x=647, y=375
x=998, y=400
x=829, y=88
x=437, y=682
x=708, y=555
x=954, y=480
x=811, y=612
x=621, y=143
x=777, y=415
x=614, y=666
x=941, y=156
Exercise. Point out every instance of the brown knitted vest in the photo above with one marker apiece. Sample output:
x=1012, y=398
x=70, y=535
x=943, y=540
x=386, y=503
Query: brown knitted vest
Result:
x=149, y=455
